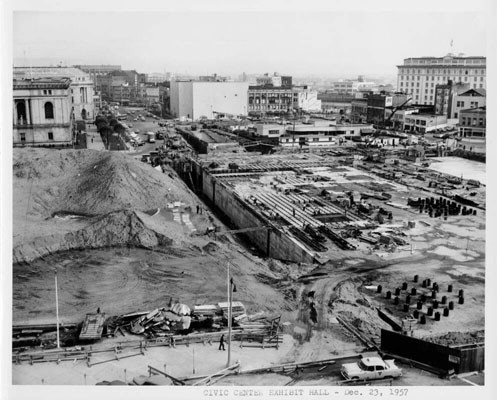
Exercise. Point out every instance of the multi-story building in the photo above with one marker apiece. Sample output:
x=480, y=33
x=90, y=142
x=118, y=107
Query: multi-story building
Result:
x=473, y=123
x=271, y=99
x=350, y=87
x=264, y=99
x=122, y=93
x=275, y=80
x=42, y=112
x=131, y=79
x=194, y=99
x=445, y=97
x=472, y=98
x=82, y=86
x=378, y=104
x=306, y=100
x=98, y=70
x=213, y=78
x=359, y=111
x=152, y=95
x=419, y=76
x=155, y=77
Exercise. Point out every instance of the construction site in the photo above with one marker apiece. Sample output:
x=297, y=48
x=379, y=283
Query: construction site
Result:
x=297, y=262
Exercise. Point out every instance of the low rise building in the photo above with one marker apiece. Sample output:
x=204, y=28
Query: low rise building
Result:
x=398, y=119
x=424, y=123
x=42, y=112
x=321, y=135
x=270, y=130
x=473, y=123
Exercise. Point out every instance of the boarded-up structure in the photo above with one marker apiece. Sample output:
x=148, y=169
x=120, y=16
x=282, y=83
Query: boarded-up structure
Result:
x=463, y=358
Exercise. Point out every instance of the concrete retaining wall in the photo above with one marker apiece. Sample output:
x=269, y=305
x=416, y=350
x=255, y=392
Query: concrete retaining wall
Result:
x=272, y=242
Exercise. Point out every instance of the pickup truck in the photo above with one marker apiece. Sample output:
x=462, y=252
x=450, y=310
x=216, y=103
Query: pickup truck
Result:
x=371, y=368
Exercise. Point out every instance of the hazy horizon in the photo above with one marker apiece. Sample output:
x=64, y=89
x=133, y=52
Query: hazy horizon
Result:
x=229, y=43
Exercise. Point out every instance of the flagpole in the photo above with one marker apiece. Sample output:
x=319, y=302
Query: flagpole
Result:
x=57, y=309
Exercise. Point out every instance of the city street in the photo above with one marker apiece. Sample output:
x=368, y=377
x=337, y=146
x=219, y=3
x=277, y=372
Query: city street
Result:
x=141, y=128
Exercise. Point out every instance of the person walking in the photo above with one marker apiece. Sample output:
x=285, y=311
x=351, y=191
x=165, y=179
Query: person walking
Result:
x=221, y=343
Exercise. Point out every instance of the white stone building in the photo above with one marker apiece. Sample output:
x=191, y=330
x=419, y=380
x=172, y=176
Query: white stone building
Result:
x=42, y=112
x=193, y=99
x=419, y=76
x=82, y=86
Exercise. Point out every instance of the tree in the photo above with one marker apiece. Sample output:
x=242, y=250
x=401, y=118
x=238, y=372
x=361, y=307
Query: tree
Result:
x=106, y=132
x=101, y=122
x=113, y=122
x=119, y=128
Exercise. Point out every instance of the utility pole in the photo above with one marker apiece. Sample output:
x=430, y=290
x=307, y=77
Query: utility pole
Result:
x=57, y=309
x=231, y=289
x=229, y=317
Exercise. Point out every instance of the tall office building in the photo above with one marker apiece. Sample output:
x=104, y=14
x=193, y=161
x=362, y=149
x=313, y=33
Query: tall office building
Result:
x=419, y=77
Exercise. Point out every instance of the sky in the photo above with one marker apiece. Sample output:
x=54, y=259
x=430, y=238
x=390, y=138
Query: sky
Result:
x=297, y=42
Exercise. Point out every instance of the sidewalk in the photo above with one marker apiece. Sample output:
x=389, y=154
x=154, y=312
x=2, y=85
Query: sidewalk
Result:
x=94, y=141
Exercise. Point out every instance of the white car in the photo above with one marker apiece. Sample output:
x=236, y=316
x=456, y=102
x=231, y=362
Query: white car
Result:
x=371, y=368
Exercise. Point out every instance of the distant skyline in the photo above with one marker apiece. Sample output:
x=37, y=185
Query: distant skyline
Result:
x=229, y=43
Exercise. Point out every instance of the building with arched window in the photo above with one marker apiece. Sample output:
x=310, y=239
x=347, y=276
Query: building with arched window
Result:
x=82, y=86
x=42, y=112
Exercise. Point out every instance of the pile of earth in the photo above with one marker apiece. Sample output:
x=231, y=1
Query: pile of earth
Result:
x=93, y=182
x=105, y=191
x=348, y=302
x=116, y=229
x=458, y=338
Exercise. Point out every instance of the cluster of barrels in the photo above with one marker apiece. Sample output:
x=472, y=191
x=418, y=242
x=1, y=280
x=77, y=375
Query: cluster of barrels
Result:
x=442, y=207
x=431, y=295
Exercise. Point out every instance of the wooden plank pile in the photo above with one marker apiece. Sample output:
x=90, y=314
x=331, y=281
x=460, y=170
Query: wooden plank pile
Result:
x=237, y=308
x=93, y=327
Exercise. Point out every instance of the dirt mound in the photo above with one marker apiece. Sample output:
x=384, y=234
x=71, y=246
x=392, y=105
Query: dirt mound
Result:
x=458, y=338
x=121, y=228
x=351, y=305
x=93, y=182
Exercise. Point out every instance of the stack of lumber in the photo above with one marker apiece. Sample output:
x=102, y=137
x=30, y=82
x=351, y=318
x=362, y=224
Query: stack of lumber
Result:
x=237, y=308
x=207, y=310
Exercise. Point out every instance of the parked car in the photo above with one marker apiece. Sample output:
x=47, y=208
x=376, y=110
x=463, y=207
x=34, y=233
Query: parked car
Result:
x=369, y=368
